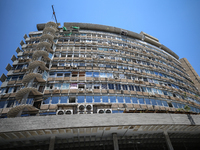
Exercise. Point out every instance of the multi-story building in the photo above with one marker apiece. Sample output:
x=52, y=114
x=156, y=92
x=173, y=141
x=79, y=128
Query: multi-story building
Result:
x=86, y=86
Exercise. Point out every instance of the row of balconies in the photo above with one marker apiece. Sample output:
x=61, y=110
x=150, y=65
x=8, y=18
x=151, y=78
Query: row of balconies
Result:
x=119, y=70
x=107, y=59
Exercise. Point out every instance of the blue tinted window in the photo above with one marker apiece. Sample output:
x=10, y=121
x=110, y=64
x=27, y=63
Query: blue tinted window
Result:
x=81, y=99
x=46, y=100
x=63, y=99
x=131, y=87
x=125, y=87
x=29, y=101
x=117, y=111
x=147, y=101
x=165, y=103
x=111, y=86
x=175, y=105
x=55, y=100
x=137, y=88
x=113, y=99
x=134, y=100
x=179, y=105
x=10, y=103
x=120, y=99
x=159, y=102
x=127, y=99
x=97, y=99
x=153, y=101
x=89, y=99
x=141, y=100
x=118, y=86
x=88, y=74
x=96, y=74
x=105, y=99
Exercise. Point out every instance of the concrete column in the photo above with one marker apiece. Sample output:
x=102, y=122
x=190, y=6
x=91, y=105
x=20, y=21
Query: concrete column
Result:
x=115, y=141
x=52, y=142
x=167, y=139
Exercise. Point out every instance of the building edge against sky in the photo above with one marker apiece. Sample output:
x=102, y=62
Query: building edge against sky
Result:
x=87, y=72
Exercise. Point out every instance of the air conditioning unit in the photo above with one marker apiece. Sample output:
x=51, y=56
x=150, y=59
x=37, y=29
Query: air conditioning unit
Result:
x=89, y=107
x=140, y=80
x=108, y=111
x=69, y=112
x=100, y=111
x=81, y=107
x=60, y=112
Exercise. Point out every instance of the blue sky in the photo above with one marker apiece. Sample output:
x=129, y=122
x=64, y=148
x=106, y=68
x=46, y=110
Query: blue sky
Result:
x=175, y=23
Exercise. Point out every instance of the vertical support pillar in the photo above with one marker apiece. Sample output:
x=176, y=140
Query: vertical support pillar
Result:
x=52, y=142
x=115, y=141
x=167, y=139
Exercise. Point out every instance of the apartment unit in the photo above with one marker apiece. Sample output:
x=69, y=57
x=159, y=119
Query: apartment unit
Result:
x=86, y=86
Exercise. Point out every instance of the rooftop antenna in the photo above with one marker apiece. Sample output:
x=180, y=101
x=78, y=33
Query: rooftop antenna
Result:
x=54, y=14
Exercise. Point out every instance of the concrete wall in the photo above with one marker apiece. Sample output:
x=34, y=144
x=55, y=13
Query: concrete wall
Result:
x=93, y=120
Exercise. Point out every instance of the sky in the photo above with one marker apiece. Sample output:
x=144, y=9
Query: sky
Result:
x=175, y=23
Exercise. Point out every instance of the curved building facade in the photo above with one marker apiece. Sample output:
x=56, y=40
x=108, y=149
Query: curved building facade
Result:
x=86, y=85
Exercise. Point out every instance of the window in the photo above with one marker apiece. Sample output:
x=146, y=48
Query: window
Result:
x=103, y=75
x=88, y=74
x=89, y=99
x=2, y=104
x=153, y=101
x=147, y=101
x=134, y=100
x=10, y=90
x=57, y=86
x=127, y=99
x=97, y=99
x=120, y=100
x=73, y=86
x=55, y=100
x=137, y=88
x=125, y=87
x=81, y=99
x=46, y=100
x=113, y=99
x=96, y=74
x=143, y=89
x=111, y=86
x=117, y=111
x=109, y=75
x=10, y=103
x=67, y=74
x=63, y=99
x=131, y=87
x=29, y=100
x=159, y=102
x=104, y=86
x=105, y=99
x=165, y=103
x=72, y=99
x=118, y=86
x=141, y=101
x=175, y=105
x=65, y=86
